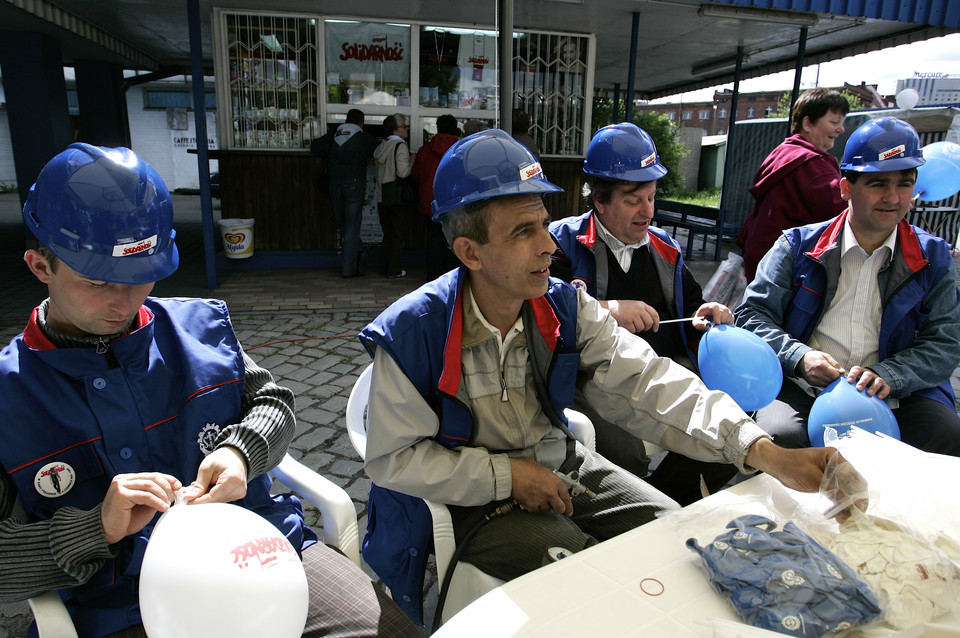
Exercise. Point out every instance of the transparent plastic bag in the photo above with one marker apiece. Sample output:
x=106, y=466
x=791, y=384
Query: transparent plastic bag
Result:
x=896, y=538
x=725, y=280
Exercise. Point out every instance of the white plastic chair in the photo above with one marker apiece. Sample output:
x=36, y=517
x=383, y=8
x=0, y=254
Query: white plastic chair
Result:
x=468, y=583
x=339, y=529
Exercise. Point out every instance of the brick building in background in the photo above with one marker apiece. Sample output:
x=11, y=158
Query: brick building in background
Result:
x=714, y=116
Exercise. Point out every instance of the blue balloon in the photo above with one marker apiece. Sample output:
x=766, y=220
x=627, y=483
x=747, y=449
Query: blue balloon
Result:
x=740, y=363
x=939, y=177
x=841, y=406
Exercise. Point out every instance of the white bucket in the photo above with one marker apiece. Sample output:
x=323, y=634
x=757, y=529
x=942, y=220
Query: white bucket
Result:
x=237, y=237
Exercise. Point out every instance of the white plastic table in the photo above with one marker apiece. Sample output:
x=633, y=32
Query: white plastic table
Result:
x=642, y=583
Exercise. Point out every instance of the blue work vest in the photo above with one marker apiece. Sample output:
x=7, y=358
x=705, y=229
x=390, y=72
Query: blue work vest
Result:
x=919, y=262
x=74, y=419
x=423, y=332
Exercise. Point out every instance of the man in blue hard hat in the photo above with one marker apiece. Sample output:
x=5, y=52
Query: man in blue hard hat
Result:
x=114, y=401
x=866, y=296
x=473, y=371
x=637, y=272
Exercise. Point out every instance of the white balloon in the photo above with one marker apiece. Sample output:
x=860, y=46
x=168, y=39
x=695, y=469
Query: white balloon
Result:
x=218, y=570
x=907, y=99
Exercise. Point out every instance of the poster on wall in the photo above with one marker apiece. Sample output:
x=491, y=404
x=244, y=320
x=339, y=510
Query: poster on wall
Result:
x=185, y=174
x=371, y=234
x=367, y=63
x=478, y=71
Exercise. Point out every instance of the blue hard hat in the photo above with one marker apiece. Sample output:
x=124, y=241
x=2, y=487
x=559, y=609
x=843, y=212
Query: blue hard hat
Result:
x=485, y=165
x=105, y=213
x=881, y=145
x=623, y=151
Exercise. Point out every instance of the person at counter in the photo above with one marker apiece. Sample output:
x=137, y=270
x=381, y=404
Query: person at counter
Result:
x=346, y=151
x=393, y=161
x=439, y=257
x=471, y=376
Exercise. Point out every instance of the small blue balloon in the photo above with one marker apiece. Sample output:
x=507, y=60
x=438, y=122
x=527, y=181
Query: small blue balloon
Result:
x=740, y=363
x=939, y=177
x=841, y=406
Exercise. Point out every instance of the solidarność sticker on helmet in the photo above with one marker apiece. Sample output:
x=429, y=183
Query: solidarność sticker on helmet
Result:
x=134, y=247
x=893, y=152
x=529, y=171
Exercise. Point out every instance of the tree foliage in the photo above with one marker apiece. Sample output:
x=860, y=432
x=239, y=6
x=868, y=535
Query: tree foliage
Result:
x=661, y=129
x=783, y=106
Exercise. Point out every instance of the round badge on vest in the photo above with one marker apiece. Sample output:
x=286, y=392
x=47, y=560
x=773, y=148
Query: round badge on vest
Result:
x=55, y=479
x=208, y=437
x=579, y=284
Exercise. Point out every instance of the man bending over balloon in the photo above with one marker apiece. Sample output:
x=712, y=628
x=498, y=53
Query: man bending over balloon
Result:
x=866, y=296
x=113, y=400
x=637, y=273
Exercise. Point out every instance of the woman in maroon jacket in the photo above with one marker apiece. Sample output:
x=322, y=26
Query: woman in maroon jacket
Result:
x=439, y=258
x=799, y=181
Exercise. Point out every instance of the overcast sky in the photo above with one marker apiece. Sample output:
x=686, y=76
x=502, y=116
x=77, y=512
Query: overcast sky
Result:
x=883, y=68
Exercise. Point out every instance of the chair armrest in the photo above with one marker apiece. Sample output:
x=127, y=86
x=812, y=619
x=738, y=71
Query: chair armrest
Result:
x=444, y=542
x=336, y=508
x=581, y=427
x=53, y=620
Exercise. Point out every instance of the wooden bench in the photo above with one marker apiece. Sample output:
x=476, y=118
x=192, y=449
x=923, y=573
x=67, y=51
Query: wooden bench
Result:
x=697, y=220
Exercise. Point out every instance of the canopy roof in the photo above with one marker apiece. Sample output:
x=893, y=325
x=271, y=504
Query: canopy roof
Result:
x=683, y=44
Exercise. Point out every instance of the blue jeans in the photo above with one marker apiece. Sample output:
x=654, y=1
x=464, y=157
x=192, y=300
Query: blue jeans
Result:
x=347, y=199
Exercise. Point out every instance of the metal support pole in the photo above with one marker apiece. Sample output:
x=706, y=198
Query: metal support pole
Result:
x=203, y=158
x=634, y=43
x=505, y=22
x=734, y=103
x=616, y=103
x=801, y=54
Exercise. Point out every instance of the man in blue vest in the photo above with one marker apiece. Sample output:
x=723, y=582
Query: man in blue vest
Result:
x=114, y=401
x=471, y=376
x=636, y=271
x=866, y=296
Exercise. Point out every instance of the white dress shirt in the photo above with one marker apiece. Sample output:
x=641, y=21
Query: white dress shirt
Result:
x=849, y=329
x=623, y=252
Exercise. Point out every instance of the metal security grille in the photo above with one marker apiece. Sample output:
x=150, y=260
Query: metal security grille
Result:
x=549, y=83
x=274, y=79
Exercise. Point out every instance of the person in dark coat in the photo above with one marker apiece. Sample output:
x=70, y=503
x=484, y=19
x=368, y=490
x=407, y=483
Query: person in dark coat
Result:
x=799, y=182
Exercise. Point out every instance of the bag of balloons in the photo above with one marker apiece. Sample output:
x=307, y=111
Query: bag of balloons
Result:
x=939, y=177
x=740, y=363
x=221, y=571
x=841, y=406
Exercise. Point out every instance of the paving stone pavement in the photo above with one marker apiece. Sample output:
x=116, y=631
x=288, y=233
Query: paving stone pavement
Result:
x=300, y=324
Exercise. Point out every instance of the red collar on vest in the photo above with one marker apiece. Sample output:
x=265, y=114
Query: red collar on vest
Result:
x=34, y=338
x=906, y=238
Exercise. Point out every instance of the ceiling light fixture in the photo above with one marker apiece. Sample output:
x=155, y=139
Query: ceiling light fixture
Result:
x=717, y=65
x=777, y=16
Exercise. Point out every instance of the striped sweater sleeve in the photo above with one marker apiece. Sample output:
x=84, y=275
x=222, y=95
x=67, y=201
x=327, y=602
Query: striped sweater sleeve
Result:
x=267, y=423
x=64, y=551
